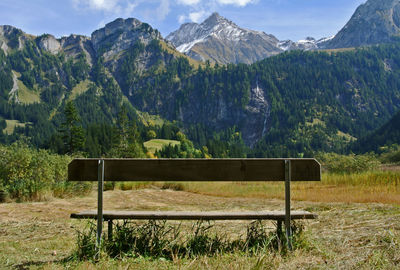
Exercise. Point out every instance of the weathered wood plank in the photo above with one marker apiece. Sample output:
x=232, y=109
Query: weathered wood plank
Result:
x=179, y=215
x=194, y=170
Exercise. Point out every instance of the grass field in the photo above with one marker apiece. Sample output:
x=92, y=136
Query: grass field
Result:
x=345, y=235
x=157, y=144
x=358, y=225
x=367, y=187
x=11, y=125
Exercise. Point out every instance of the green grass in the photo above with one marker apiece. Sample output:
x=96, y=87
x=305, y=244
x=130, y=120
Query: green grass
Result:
x=150, y=120
x=26, y=95
x=79, y=89
x=196, y=64
x=157, y=144
x=11, y=125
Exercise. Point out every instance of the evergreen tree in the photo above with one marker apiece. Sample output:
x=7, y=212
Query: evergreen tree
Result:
x=127, y=144
x=72, y=132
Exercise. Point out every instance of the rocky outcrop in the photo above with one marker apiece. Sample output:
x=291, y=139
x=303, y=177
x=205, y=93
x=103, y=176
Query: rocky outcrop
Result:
x=75, y=45
x=49, y=43
x=121, y=34
x=257, y=116
x=12, y=38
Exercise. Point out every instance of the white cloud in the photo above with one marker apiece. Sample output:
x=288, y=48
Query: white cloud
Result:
x=163, y=9
x=181, y=19
x=188, y=2
x=130, y=7
x=106, y=5
x=197, y=16
x=193, y=16
x=240, y=3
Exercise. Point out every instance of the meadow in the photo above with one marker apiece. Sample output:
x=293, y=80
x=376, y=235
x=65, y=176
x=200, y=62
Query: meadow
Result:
x=357, y=202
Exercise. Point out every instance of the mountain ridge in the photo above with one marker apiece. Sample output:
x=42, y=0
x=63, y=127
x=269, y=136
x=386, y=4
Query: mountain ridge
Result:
x=231, y=43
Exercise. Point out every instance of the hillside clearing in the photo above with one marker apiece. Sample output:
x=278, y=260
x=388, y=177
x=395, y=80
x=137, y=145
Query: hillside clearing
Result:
x=79, y=89
x=26, y=95
x=157, y=144
x=11, y=125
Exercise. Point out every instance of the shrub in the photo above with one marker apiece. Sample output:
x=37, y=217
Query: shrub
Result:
x=30, y=174
x=336, y=163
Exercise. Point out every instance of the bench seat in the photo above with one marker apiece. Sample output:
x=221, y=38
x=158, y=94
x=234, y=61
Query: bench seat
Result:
x=183, y=215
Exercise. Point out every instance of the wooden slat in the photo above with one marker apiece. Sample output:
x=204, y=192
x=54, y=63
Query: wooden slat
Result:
x=178, y=215
x=194, y=170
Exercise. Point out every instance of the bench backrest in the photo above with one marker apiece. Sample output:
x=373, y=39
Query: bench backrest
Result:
x=195, y=170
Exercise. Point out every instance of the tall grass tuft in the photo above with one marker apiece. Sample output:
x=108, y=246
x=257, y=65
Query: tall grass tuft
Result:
x=158, y=239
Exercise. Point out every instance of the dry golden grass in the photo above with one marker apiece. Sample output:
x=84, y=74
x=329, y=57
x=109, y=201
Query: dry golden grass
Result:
x=378, y=187
x=352, y=230
x=345, y=236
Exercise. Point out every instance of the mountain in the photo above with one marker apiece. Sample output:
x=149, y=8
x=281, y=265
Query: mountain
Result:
x=222, y=41
x=307, y=44
x=290, y=104
x=375, y=22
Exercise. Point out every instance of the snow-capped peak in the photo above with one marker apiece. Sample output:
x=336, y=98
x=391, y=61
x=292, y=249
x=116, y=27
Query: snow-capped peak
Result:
x=215, y=26
x=309, y=43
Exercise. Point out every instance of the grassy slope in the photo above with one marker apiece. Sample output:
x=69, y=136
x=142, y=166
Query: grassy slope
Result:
x=147, y=119
x=173, y=51
x=79, y=89
x=26, y=95
x=157, y=144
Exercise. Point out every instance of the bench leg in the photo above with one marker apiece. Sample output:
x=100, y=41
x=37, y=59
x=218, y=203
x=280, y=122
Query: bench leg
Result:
x=279, y=233
x=288, y=176
x=279, y=228
x=110, y=225
x=100, y=187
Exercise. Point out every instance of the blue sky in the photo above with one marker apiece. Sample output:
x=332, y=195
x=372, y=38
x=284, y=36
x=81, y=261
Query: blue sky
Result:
x=286, y=19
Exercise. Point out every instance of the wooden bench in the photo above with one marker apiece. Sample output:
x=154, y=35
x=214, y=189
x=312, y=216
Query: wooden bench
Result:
x=241, y=170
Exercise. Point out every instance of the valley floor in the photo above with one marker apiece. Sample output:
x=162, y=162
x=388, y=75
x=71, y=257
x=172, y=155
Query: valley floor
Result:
x=345, y=236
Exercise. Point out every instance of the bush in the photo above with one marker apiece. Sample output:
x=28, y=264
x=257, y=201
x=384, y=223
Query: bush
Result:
x=335, y=163
x=391, y=154
x=30, y=174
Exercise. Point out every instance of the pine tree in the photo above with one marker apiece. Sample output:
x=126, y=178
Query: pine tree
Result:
x=72, y=132
x=127, y=144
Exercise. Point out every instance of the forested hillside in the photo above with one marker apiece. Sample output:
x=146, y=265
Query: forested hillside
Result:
x=380, y=139
x=292, y=104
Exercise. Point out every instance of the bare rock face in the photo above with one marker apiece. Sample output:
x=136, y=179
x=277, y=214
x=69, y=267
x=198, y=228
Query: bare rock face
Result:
x=257, y=116
x=49, y=43
x=376, y=21
x=121, y=34
x=12, y=38
x=75, y=45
